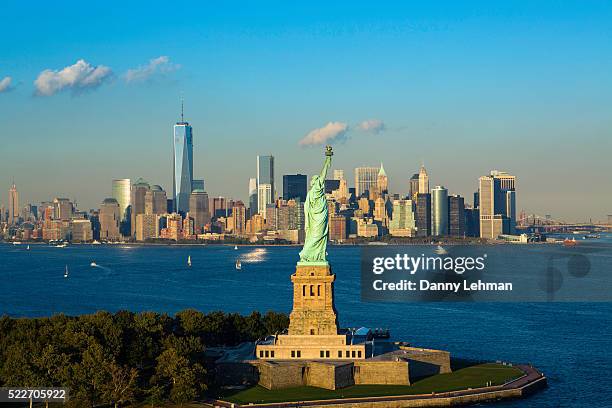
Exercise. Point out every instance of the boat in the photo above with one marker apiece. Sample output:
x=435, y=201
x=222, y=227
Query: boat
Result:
x=66, y=272
x=16, y=243
x=592, y=236
x=93, y=264
x=235, y=246
x=95, y=242
x=238, y=264
x=28, y=248
x=440, y=250
x=570, y=242
x=61, y=245
x=189, y=261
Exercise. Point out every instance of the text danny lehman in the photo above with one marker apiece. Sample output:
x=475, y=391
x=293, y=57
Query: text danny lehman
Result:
x=405, y=263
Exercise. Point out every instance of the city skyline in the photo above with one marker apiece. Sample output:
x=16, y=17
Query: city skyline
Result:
x=463, y=89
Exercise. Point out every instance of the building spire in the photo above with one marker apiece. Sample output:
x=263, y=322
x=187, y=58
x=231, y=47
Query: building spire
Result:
x=182, y=109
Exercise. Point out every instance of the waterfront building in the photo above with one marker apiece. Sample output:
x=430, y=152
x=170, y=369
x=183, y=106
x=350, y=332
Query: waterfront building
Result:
x=423, y=215
x=423, y=181
x=365, y=181
x=13, y=205
x=174, y=227
x=338, y=174
x=109, y=220
x=239, y=218
x=256, y=224
x=472, y=222
x=338, y=228
x=439, y=211
x=295, y=186
x=265, y=175
x=146, y=227
x=403, y=222
x=456, y=216
x=264, y=197
x=156, y=201
x=137, y=199
x=497, y=203
x=198, y=210
x=81, y=231
x=271, y=217
x=121, y=192
x=182, y=165
x=252, y=197
x=367, y=229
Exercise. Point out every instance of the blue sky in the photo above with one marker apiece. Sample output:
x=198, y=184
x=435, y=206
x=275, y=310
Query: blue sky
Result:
x=465, y=87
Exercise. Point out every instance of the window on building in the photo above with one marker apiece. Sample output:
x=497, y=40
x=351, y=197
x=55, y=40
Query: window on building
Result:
x=303, y=290
x=327, y=354
x=318, y=290
x=311, y=290
x=321, y=354
x=347, y=354
x=312, y=332
x=267, y=354
x=272, y=353
x=353, y=354
x=292, y=354
x=261, y=354
x=358, y=353
x=339, y=353
x=299, y=353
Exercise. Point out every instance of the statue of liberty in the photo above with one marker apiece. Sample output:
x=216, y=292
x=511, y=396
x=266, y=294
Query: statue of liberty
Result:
x=316, y=216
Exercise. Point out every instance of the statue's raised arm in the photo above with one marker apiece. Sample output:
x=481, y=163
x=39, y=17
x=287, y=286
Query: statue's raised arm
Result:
x=315, y=216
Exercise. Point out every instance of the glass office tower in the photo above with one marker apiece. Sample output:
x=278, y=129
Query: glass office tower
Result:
x=182, y=166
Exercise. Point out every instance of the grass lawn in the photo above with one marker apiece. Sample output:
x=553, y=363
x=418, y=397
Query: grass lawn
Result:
x=469, y=377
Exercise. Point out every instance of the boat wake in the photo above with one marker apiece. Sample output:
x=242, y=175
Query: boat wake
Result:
x=254, y=256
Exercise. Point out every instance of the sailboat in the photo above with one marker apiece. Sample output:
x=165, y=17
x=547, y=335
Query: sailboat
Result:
x=235, y=246
x=238, y=264
x=189, y=261
x=66, y=272
x=28, y=248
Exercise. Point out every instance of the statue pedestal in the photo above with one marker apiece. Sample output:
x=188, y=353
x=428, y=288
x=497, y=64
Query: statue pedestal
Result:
x=313, y=323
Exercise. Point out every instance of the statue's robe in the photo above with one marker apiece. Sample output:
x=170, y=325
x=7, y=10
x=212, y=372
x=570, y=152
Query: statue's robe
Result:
x=315, y=214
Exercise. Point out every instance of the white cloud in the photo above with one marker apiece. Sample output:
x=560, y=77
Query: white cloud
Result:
x=156, y=66
x=371, y=125
x=79, y=77
x=5, y=84
x=333, y=131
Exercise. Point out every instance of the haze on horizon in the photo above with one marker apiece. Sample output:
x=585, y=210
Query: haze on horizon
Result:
x=91, y=94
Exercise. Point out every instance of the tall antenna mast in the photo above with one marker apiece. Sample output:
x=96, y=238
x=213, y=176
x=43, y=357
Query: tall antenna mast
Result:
x=182, y=110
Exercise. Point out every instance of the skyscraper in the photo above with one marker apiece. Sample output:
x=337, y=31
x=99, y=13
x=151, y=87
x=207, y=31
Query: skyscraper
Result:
x=252, y=197
x=402, y=222
x=264, y=198
x=138, y=198
x=382, y=182
x=156, y=201
x=121, y=192
x=439, y=211
x=109, y=220
x=265, y=174
x=295, y=186
x=13, y=205
x=423, y=181
x=497, y=202
x=423, y=215
x=365, y=180
x=414, y=186
x=63, y=208
x=198, y=209
x=456, y=216
x=182, y=165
